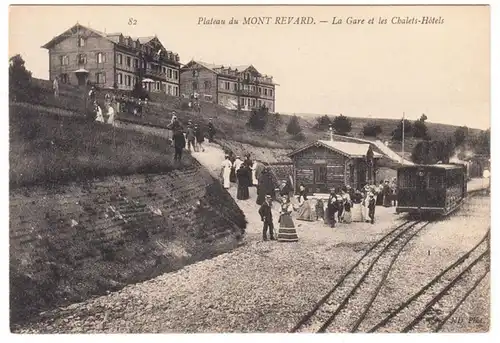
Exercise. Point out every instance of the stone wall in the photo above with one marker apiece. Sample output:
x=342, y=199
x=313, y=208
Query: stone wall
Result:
x=71, y=242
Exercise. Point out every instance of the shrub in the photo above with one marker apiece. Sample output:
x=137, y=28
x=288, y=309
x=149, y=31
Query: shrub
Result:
x=258, y=119
x=372, y=130
x=293, y=127
x=299, y=137
x=342, y=125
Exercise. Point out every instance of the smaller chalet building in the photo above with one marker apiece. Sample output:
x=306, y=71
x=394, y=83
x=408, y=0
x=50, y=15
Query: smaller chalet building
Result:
x=323, y=165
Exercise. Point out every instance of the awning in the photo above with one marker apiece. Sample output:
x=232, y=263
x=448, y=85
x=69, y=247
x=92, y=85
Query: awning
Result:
x=81, y=71
x=148, y=80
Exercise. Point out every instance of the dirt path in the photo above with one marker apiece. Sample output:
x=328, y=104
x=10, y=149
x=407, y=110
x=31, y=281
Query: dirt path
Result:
x=212, y=159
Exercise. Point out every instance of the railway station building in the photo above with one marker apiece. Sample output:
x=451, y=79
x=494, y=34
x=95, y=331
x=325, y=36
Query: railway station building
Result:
x=326, y=164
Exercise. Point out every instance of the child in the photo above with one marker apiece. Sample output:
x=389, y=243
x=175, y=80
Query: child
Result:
x=320, y=210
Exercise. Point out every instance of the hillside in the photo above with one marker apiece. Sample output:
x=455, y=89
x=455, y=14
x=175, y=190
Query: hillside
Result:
x=232, y=125
x=93, y=208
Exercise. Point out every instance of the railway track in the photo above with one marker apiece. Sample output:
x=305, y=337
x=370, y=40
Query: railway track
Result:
x=345, y=306
x=434, y=304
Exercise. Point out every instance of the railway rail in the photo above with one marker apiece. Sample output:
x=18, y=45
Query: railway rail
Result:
x=345, y=306
x=434, y=304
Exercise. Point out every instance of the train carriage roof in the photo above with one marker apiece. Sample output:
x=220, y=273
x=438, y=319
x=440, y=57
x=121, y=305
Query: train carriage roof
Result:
x=442, y=166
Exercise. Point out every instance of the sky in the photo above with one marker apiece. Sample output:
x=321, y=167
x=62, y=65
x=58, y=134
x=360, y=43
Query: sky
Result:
x=359, y=70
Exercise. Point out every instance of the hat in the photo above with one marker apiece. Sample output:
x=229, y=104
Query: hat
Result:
x=268, y=196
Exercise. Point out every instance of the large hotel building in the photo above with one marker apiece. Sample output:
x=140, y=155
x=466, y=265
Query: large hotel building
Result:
x=229, y=86
x=112, y=60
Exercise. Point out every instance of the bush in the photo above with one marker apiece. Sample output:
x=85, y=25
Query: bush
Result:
x=372, y=130
x=293, y=127
x=299, y=137
x=397, y=132
x=323, y=123
x=139, y=92
x=342, y=125
x=258, y=119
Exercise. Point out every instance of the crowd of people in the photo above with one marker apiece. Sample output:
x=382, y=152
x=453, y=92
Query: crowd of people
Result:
x=344, y=205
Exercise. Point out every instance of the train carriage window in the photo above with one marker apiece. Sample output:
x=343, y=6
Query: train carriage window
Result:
x=408, y=179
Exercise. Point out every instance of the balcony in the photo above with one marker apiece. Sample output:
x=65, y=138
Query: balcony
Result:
x=247, y=92
x=155, y=73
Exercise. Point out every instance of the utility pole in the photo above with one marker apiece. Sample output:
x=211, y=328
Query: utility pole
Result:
x=403, y=140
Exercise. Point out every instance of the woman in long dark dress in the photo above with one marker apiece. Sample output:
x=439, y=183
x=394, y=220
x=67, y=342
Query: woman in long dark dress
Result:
x=286, y=231
x=242, y=176
x=232, y=175
x=265, y=186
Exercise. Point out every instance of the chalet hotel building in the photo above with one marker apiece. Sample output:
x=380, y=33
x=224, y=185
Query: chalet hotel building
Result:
x=112, y=60
x=229, y=86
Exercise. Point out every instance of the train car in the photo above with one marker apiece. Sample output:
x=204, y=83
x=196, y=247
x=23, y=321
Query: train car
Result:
x=433, y=189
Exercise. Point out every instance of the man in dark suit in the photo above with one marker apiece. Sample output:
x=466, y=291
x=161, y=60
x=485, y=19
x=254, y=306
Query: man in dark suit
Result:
x=266, y=216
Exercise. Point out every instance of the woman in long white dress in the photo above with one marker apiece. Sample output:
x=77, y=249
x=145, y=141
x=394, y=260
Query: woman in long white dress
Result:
x=99, y=117
x=111, y=115
x=226, y=172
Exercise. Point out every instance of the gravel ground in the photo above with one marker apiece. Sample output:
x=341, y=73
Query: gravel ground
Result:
x=431, y=252
x=266, y=286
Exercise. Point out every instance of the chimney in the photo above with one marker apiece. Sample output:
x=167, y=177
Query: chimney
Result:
x=331, y=133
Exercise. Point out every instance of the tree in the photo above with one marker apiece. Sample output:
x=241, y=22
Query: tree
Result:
x=372, y=130
x=139, y=91
x=342, y=125
x=461, y=134
x=419, y=128
x=323, y=123
x=293, y=127
x=258, y=119
x=431, y=152
x=19, y=78
x=397, y=132
x=481, y=143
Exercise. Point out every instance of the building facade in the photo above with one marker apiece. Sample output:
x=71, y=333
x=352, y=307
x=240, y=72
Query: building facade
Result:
x=82, y=54
x=323, y=165
x=241, y=87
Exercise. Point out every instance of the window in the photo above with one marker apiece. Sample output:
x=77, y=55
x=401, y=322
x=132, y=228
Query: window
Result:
x=270, y=92
x=120, y=78
x=176, y=75
x=129, y=61
x=259, y=89
x=169, y=90
x=101, y=58
x=242, y=101
x=164, y=70
x=235, y=86
x=64, y=78
x=119, y=58
x=158, y=85
x=320, y=173
x=81, y=42
x=195, y=85
x=100, y=78
x=176, y=91
x=253, y=102
x=64, y=60
x=128, y=80
x=136, y=63
x=227, y=85
x=170, y=73
x=265, y=91
x=82, y=59
x=208, y=85
x=136, y=80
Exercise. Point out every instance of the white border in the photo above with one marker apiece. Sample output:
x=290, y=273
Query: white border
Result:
x=495, y=57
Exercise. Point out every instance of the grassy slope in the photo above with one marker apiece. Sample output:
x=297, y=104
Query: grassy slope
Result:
x=232, y=124
x=45, y=148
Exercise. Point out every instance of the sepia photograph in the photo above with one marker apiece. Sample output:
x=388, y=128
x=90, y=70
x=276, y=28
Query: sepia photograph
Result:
x=249, y=169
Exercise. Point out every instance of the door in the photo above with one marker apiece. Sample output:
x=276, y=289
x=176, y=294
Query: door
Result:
x=320, y=185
